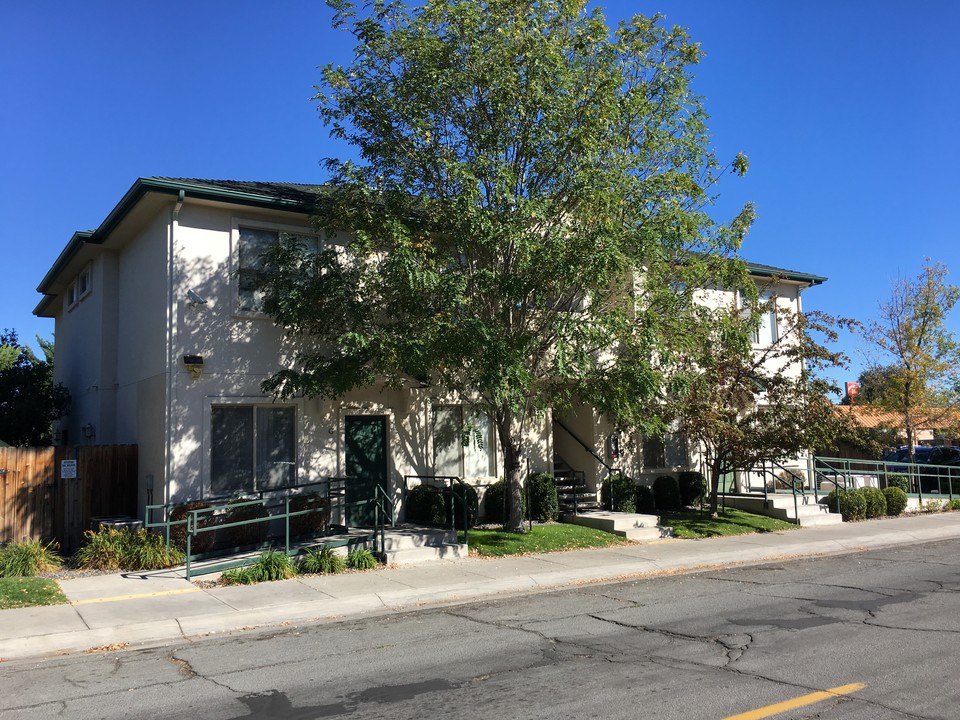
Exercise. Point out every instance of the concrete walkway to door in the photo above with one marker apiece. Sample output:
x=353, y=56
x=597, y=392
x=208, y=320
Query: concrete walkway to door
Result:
x=113, y=612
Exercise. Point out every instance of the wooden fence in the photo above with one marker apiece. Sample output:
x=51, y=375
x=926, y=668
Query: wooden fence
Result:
x=40, y=499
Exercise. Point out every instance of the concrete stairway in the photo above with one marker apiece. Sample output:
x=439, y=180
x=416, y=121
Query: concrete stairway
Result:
x=408, y=544
x=632, y=526
x=807, y=511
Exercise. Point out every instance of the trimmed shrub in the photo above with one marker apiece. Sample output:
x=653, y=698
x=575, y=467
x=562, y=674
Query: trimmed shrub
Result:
x=323, y=560
x=875, y=502
x=624, y=493
x=202, y=542
x=495, y=502
x=645, y=501
x=693, y=487
x=899, y=481
x=544, y=504
x=240, y=510
x=666, y=493
x=896, y=500
x=851, y=505
x=28, y=558
x=362, y=559
x=473, y=506
x=426, y=506
x=315, y=522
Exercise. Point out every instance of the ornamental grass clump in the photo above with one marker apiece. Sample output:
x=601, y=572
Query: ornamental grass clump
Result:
x=270, y=566
x=362, y=559
x=29, y=558
x=110, y=549
x=324, y=561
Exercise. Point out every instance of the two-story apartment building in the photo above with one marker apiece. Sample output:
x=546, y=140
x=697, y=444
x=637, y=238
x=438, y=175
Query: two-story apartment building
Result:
x=160, y=341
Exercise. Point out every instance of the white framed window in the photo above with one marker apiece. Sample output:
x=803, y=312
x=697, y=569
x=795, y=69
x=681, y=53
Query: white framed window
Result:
x=80, y=287
x=84, y=282
x=766, y=332
x=252, y=447
x=252, y=239
x=463, y=442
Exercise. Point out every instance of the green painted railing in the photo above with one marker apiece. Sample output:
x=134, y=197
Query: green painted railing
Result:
x=275, y=509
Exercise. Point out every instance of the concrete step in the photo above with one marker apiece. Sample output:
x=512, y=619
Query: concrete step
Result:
x=425, y=554
x=408, y=537
x=634, y=526
x=806, y=512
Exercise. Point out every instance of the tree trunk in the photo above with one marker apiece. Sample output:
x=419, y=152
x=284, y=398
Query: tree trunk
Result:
x=714, y=488
x=511, y=445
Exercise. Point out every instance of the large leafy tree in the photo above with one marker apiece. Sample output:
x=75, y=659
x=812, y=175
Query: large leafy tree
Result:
x=916, y=352
x=29, y=400
x=743, y=403
x=526, y=216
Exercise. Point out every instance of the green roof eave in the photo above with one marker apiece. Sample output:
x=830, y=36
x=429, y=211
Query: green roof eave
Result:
x=166, y=186
x=770, y=271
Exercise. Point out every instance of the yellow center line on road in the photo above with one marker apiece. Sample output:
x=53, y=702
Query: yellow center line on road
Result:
x=117, y=598
x=797, y=702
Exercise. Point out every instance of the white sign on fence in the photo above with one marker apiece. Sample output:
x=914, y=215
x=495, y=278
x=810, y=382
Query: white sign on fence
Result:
x=68, y=469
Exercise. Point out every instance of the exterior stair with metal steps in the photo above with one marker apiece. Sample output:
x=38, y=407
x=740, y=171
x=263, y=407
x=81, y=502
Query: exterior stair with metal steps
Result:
x=408, y=545
x=807, y=512
x=573, y=494
x=633, y=526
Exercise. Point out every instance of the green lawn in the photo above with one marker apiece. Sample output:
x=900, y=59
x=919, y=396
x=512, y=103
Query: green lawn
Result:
x=18, y=592
x=542, y=538
x=692, y=524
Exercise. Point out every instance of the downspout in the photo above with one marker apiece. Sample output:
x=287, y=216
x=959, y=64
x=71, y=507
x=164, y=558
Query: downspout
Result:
x=171, y=352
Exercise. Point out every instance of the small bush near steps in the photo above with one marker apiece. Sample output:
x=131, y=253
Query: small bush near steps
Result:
x=896, y=500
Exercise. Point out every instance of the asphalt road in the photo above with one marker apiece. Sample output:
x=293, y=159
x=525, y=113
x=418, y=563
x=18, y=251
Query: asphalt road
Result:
x=710, y=645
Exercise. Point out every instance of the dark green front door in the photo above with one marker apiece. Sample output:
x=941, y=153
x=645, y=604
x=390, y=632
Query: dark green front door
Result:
x=366, y=464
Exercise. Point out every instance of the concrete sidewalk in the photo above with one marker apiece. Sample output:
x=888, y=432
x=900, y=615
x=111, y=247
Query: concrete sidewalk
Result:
x=160, y=607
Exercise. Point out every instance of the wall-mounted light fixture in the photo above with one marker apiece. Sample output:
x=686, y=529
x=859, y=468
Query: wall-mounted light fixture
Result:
x=194, y=363
x=195, y=298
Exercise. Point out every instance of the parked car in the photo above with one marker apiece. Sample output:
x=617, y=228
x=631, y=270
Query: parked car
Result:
x=941, y=466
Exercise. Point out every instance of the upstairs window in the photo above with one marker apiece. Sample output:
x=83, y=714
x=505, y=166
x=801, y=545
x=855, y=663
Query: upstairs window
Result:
x=766, y=332
x=463, y=442
x=80, y=287
x=253, y=242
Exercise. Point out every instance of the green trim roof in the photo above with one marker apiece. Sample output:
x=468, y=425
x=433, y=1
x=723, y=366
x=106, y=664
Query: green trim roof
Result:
x=294, y=197
x=784, y=274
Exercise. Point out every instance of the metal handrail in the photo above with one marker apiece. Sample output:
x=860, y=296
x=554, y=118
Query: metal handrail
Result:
x=451, y=491
x=194, y=524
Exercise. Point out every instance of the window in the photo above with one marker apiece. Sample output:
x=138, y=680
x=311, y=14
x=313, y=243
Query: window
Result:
x=766, y=332
x=463, y=444
x=253, y=447
x=252, y=243
x=667, y=451
x=83, y=283
x=79, y=288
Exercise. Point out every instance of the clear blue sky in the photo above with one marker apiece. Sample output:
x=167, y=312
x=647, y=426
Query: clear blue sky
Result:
x=847, y=110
